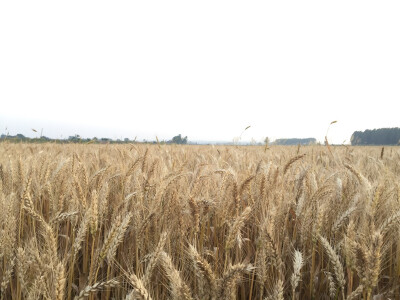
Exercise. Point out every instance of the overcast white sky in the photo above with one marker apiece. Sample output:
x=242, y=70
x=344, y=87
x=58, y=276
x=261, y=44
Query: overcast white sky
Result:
x=205, y=69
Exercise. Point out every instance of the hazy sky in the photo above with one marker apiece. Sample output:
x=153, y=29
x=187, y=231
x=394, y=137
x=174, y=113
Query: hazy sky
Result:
x=205, y=69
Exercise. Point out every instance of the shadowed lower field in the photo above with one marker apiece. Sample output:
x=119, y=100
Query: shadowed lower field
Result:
x=198, y=222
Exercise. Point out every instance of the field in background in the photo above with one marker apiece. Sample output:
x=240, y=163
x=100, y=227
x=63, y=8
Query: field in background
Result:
x=199, y=222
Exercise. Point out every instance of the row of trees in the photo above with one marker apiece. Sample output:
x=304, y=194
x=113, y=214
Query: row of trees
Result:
x=78, y=139
x=71, y=139
x=382, y=136
x=307, y=141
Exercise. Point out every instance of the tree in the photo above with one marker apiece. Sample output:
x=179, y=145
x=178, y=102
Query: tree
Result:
x=266, y=141
x=179, y=140
x=75, y=138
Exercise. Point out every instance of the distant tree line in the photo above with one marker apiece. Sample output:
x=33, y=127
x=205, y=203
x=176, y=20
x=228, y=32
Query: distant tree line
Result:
x=381, y=136
x=71, y=139
x=78, y=139
x=307, y=141
x=21, y=138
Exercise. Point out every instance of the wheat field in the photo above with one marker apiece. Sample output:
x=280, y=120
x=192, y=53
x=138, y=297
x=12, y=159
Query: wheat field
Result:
x=199, y=222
